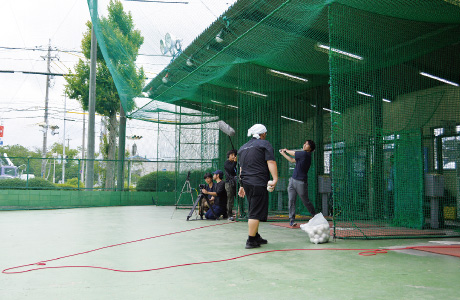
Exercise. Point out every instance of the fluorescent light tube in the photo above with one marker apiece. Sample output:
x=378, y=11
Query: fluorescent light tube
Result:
x=290, y=119
x=365, y=94
x=438, y=78
x=257, y=94
x=289, y=75
x=332, y=111
x=340, y=51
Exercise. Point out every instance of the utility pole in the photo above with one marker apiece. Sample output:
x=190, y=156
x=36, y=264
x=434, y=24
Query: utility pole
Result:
x=92, y=104
x=45, y=127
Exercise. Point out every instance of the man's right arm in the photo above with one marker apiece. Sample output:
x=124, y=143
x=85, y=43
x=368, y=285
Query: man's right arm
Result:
x=241, y=191
x=289, y=158
x=273, y=168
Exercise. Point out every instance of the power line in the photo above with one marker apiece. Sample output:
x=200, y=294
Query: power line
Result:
x=34, y=73
x=70, y=51
x=156, y=1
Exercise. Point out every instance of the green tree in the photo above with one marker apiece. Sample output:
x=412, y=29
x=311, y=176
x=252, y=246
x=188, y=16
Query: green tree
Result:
x=123, y=43
x=71, y=161
x=19, y=157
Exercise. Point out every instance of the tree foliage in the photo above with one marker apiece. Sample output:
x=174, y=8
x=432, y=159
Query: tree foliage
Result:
x=122, y=42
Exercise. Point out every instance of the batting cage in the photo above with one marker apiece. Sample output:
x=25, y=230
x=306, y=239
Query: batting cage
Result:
x=374, y=83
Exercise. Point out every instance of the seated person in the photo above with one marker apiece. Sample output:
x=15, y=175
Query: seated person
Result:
x=210, y=187
x=220, y=197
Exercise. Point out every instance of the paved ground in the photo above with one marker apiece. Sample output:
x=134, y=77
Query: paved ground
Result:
x=33, y=236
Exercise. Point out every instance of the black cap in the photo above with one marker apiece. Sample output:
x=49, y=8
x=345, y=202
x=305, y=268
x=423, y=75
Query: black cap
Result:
x=220, y=173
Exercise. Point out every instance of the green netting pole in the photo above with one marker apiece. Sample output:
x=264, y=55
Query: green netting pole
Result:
x=439, y=155
x=376, y=204
x=92, y=103
x=121, y=150
x=318, y=139
x=158, y=160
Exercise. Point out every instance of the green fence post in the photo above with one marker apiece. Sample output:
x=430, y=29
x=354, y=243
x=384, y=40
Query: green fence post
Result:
x=27, y=179
x=79, y=174
x=129, y=172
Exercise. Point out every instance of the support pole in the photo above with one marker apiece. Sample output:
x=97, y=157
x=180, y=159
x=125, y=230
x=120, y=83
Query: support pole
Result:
x=92, y=106
x=121, y=149
x=63, y=144
x=45, y=127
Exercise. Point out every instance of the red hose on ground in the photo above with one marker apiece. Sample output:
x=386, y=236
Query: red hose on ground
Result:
x=365, y=252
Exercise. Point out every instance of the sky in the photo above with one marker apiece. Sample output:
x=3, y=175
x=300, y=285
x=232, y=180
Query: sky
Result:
x=29, y=27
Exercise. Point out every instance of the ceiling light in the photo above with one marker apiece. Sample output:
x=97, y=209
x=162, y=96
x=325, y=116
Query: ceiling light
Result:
x=289, y=76
x=290, y=119
x=365, y=94
x=257, y=94
x=332, y=111
x=438, y=78
x=338, y=51
x=386, y=100
x=165, y=79
x=189, y=62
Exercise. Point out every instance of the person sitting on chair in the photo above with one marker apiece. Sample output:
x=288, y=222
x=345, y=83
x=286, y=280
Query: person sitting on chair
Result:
x=220, y=197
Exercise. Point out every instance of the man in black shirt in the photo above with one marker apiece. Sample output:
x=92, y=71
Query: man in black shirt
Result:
x=220, y=197
x=298, y=183
x=210, y=187
x=230, y=181
x=257, y=162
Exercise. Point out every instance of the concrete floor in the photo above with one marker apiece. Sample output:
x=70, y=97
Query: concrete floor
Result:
x=32, y=236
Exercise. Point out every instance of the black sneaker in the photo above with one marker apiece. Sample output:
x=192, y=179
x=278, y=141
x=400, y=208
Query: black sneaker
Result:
x=292, y=223
x=252, y=244
x=260, y=240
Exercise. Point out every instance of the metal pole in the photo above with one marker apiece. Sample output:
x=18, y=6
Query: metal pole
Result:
x=45, y=128
x=121, y=149
x=92, y=105
x=63, y=143
x=83, y=150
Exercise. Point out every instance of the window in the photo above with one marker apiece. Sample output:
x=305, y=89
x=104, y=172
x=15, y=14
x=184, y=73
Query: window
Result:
x=450, y=146
x=338, y=148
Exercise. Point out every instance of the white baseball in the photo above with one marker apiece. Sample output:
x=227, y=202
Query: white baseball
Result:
x=270, y=186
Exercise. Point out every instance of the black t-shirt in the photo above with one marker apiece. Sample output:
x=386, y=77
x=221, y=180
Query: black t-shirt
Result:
x=253, y=157
x=210, y=189
x=230, y=170
x=302, y=165
x=221, y=198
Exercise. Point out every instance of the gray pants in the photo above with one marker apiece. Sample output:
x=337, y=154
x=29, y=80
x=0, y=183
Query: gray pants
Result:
x=230, y=187
x=297, y=187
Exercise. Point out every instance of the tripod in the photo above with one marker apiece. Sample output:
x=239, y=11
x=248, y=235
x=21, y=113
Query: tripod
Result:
x=199, y=202
x=187, y=188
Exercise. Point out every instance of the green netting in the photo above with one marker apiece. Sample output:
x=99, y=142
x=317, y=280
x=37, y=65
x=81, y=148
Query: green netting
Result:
x=373, y=83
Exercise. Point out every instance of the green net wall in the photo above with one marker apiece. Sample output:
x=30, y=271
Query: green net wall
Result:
x=374, y=84
x=383, y=104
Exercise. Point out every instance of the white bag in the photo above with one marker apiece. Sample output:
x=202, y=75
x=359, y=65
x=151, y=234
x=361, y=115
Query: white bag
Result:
x=317, y=229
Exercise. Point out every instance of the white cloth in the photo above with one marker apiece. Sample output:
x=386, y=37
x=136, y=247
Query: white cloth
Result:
x=256, y=130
